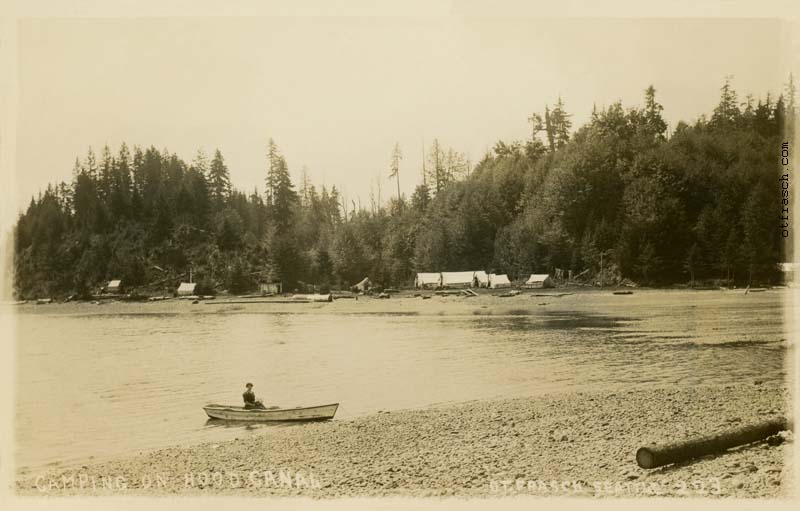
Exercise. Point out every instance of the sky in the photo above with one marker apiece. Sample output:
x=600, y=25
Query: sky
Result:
x=336, y=93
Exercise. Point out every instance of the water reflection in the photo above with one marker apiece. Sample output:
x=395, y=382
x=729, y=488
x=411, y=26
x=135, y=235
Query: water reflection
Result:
x=122, y=383
x=248, y=425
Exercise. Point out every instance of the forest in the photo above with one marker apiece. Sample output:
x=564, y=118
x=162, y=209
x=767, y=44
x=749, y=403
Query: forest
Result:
x=695, y=204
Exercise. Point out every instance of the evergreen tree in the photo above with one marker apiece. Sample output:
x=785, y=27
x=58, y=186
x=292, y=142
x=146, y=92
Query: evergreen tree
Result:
x=727, y=112
x=550, y=130
x=106, y=170
x=219, y=183
x=200, y=162
x=698, y=206
x=435, y=167
x=656, y=126
x=307, y=189
x=284, y=197
x=90, y=164
x=560, y=124
x=421, y=198
x=394, y=168
x=274, y=162
x=121, y=183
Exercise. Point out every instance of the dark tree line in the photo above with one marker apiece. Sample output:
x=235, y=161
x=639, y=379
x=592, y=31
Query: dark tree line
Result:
x=699, y=203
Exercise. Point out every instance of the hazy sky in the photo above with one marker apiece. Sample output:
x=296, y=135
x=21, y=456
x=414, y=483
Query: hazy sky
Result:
x=337, y=93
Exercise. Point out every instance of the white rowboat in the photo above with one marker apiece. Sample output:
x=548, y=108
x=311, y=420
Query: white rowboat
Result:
x=238, y=413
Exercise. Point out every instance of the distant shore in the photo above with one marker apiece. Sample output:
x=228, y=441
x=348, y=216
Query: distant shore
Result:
x=571, y=444
x=426, y=303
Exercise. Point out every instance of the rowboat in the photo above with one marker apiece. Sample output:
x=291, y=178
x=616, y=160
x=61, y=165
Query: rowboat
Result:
x=238, y=413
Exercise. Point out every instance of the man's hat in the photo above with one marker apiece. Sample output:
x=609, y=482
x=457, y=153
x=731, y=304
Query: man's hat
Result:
x=248, y=384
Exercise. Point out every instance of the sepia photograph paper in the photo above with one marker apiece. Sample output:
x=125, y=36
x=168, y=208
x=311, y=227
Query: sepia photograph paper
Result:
x=445, y=255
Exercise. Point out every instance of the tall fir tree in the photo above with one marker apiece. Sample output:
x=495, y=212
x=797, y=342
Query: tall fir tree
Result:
x=106, y=170
x=219, y=181
x=284, y=197
x=274, y=162
x=726, y=113
x=90, y=164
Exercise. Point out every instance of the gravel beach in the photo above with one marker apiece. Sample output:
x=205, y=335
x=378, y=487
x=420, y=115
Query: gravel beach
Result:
x=571, y=444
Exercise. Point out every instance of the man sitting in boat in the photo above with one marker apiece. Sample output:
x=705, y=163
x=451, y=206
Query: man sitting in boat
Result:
x=250, y=401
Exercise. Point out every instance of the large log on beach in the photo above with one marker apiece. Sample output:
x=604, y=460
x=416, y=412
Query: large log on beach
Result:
x=652, y=456
x=251, y=300
x=314, y=298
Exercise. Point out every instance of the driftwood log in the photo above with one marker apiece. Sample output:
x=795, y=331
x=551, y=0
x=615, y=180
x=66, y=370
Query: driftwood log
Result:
x=653, y=456
x=314, y=298
x=252, y=300
x=291, y=299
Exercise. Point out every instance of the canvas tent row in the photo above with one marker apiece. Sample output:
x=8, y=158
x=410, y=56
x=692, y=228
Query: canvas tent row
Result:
x=460, y=279
x=538, y=280
x=481, y=279
x=457, y=279
x=428, y=280
x=498, y=281
x=186, y=288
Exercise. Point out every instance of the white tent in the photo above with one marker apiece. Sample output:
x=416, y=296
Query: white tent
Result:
x=498, y=281
x=539, y=280
x=457, y=278
x=114, y=286
x=186, y=288
x=481, y=279
x=428, y=280
x=363, y=286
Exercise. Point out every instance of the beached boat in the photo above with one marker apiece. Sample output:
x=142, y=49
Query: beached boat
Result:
x=238, y=413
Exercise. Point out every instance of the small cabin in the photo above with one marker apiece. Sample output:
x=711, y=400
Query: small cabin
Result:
x=113, y=287
x=789, y=272
x=270, y=288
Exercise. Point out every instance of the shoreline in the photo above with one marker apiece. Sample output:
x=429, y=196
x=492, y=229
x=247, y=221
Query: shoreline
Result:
x=402, y=292
x=562, y=444
x=528, y=302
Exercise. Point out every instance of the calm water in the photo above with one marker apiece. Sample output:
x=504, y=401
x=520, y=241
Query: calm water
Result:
x=99, y=385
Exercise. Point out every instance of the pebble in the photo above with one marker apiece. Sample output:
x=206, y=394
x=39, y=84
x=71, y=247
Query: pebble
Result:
x=457, y=449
